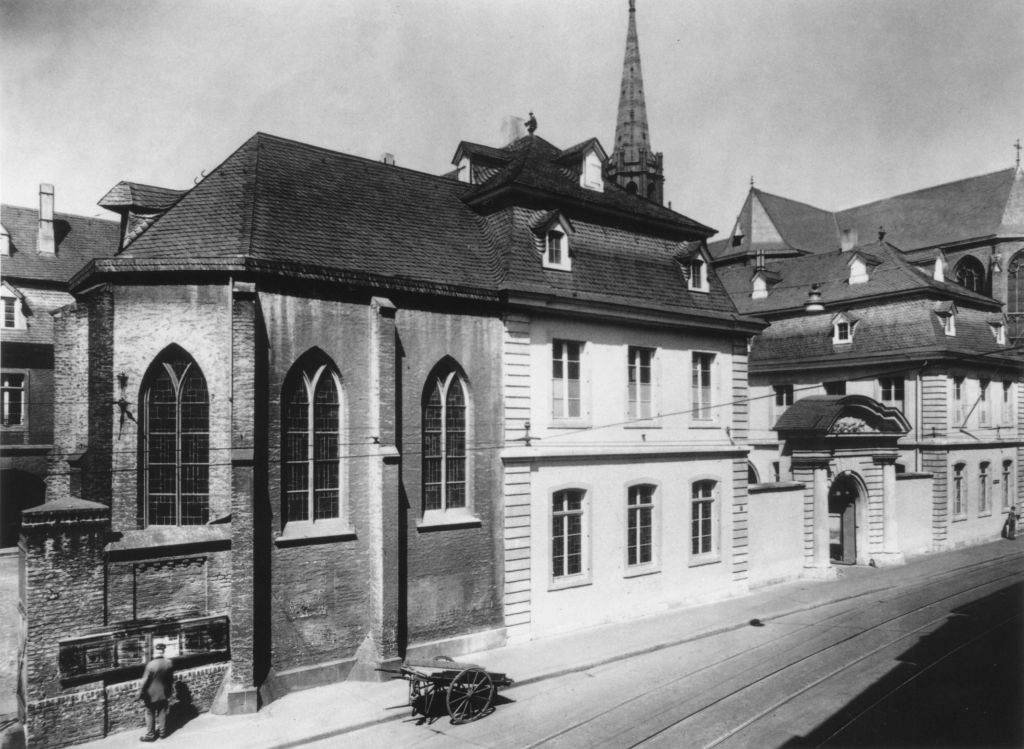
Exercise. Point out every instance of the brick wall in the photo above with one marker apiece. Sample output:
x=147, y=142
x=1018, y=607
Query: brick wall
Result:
x=94, y=712
x=455, y=575
x=70, y=394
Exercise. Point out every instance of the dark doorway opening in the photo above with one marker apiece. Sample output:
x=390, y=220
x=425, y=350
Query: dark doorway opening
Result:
x=842, y=520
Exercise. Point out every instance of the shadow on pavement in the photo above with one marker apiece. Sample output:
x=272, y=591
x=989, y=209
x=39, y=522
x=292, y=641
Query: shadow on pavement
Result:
x=959, y=686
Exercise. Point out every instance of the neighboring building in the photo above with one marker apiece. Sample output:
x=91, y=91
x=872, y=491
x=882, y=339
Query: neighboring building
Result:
x=40, y=252
x=973, y=228
x=860, y=320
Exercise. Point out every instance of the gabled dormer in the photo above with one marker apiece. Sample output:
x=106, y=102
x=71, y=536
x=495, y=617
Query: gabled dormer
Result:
x=946, y=312
x=861, y=264
x=693, y=264
x=586, y=160
x=844, y=326
x=553, y=237
x=475, y=164
x=762, y=283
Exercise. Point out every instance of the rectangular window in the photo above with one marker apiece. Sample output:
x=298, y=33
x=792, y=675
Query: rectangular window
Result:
x=983, y=403
x=702, y=509
x=958, y=401
x=567, y=533
x=1006, y=404
x=640, y=525
x=983, y=489
x=702, y=385
x=958, y=490
x=10, y=312
x=639, y=375
x=13, y=398
x=783, y=398
x=554, y=240
x=1007, y=489
x=842, y=332
x=835, y=388
x=892, y=391
x=565, y=379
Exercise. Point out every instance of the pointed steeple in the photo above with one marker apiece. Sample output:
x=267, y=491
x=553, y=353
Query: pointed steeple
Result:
x=633, y=164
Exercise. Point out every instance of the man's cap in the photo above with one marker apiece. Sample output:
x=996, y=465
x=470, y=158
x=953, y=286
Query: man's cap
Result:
x=159, y=646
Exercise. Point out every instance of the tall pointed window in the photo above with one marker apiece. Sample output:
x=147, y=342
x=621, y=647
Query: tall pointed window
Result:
x=312, y=446
x=444, y=443
x=970, y=274
x=176, y=442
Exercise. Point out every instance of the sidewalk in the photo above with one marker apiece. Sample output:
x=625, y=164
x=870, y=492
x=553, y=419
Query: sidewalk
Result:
x=336, y=709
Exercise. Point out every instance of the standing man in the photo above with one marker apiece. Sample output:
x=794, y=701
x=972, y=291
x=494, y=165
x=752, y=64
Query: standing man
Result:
x=155, y=692
x=1010, y=527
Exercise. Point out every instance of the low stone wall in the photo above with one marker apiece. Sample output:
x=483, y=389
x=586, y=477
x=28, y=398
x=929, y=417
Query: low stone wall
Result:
x=776, y=532
x=96, y=711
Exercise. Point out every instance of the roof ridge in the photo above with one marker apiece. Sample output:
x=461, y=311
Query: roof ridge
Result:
x=57, y=214
x=925, y=189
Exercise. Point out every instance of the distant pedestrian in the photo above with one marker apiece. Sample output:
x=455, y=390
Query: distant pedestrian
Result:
x=155, y=693
x=1010, y=526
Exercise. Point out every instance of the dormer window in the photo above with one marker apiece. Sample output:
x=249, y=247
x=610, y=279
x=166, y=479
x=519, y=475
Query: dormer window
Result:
x=556, y=250
x=947, y=315
x=858, y=271
x=5, y=241
x=843, y=327
x=591, y=176
x=998, y=332
x=552, y=232
x=696, y=274
x=760, y=290
x=13, y=309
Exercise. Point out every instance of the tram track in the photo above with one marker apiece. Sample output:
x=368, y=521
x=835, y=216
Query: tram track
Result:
x=820, y=635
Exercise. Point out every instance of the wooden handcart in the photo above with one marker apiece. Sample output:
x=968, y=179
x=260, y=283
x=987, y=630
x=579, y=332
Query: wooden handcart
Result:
x=468, y=691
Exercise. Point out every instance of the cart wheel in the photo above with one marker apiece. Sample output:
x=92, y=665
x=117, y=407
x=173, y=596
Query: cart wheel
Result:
x=470, y=695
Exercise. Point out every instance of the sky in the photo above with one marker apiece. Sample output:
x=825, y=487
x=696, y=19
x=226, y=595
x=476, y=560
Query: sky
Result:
x=831, y=102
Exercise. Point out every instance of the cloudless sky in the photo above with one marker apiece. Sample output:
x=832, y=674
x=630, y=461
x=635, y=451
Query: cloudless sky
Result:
x=834, y=103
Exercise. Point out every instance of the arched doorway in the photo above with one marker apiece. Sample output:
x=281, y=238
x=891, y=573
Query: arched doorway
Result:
x=842, y=519
x=19, y=490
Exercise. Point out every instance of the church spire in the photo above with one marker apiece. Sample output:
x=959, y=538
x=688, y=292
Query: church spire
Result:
x=633, y=165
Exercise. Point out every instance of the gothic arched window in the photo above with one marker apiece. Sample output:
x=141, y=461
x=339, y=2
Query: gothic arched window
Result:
x=175, y=441
x=444, y=442
x=311, y=454
x=970, y=274
x=1015, y=297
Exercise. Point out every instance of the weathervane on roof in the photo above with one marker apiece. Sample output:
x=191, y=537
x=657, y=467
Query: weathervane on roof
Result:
x=1017, y=146
x=531, y=124
x=751, y=181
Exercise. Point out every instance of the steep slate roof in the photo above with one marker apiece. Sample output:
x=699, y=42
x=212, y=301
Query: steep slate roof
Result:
x=899, y=329
x=286, y=207
x=944, y=214
x=79, y=239
x=989, y=205
x=891, y=275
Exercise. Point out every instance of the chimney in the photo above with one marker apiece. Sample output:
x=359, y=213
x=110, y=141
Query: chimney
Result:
x=849, y=240
x=512, y=128
x=760, y=259
x=813, y=303
x=388, y=158
x=45, y=243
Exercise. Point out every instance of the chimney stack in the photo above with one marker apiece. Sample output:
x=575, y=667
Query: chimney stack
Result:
x=849, y=240
x=388, y=158
x=512, y=129
x=45, y=243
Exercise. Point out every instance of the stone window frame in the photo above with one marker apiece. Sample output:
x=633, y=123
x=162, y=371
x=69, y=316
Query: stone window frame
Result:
x=24, y=389
x=638, y=510
x=311, y=370
x=702, y=396
x=959, y=491
x=443, y=379
x=984, y=489
x=892, y=387
x=782, y=398
x=707, y=506
x=1007, y=485
x=561, y=361
x=13, y=308
x=562, y=528
x=163, y=363
x=636, y=403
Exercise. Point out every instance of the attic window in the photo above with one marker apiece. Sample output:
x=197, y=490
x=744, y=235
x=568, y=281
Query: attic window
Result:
x=591, y=176
x=696, y=271
x=858, y=271
x=999, y=332
x=556, y=250
x=13, y=311
x=843, y=328
x=947, y=314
